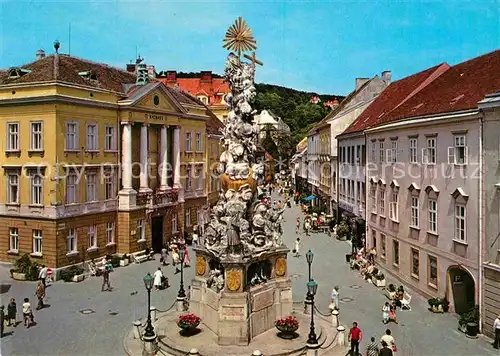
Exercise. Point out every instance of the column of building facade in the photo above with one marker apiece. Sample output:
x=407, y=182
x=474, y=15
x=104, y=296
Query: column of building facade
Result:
x=163, y=158
x=356, y=180
x=144, y=179
x=127, y=194
x=177, y=157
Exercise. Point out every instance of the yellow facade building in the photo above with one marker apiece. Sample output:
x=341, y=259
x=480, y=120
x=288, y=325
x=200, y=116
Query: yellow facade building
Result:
x=97, y=161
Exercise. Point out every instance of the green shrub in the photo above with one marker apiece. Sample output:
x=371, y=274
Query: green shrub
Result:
x=68, y=273
x=472, y=316
x=24, y=265
x=115, y=261
x=342, y=230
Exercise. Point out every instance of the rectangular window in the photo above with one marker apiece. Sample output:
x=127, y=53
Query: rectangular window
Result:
x=37, y=242
x=13, y=188
x=92, y=137
x=381, y=202
x=460, y=223
x=393, y=156
x=91, y=187
x=140, y=231
x=199, y=178
x=188, y=217
x=413, y=150
x=174, y=223
x=432, y=276
x=382, y=246
x=110, y=139
x=374, y=151
x=110, y=233
x=109, y=186
x=13, y=239
x=198, y=142
x=433, y=215
x=72, y=136
x=36, y=180
x=414, y=212
x=429, y=153
x=415, y=263
x=374, y=239
x=395, y=250
x=188, y=141
x=71, y=188
x=373, y=194
x=189, y=178
x=393, y=207
x=458, y=153
x=381, y=151
x=36, y=140
x=71, y=241
x=12, y=136
x=92, y=236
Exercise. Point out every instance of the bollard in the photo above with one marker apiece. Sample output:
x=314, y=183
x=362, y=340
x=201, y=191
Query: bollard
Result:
x=137, y=331
x=335, y=318
x=257, y=353
x=153, y=313
x=341, y=336
x=180, y=304
x=194, y=352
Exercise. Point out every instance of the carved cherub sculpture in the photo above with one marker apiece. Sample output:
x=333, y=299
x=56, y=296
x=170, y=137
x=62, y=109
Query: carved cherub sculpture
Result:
x=215, y=280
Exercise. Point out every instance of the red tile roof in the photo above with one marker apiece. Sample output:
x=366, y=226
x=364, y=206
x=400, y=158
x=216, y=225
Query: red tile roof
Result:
x=393, y=96
x=459, y=88
x=196, y=86
x=65, y=68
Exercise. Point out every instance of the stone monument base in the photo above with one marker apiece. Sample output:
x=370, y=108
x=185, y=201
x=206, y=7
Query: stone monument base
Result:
x=244, y=308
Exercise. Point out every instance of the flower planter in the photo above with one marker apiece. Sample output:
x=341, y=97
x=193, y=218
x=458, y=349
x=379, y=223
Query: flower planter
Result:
x=19, y=276
x=286, y=332
x=472, y=330
x=378, y=282
x=124, y=263
x=78, y=278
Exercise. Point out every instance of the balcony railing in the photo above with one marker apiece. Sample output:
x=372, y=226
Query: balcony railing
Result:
x=157, y=198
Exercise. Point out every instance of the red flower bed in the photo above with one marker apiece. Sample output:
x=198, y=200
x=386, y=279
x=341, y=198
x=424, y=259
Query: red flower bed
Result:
x=188, y=321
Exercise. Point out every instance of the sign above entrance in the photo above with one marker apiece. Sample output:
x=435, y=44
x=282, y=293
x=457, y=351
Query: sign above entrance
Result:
x=156, y=117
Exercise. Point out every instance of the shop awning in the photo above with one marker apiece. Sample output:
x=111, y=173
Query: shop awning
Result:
x=309, y=198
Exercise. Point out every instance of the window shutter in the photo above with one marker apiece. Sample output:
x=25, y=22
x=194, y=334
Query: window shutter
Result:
x=451, y=155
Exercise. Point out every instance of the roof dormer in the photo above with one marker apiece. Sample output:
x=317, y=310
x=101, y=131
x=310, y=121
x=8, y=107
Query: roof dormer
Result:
x=15, y=73
x=88, y=74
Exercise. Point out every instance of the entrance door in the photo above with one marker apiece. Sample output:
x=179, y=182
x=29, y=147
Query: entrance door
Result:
x=157, y=233
x=463, y=290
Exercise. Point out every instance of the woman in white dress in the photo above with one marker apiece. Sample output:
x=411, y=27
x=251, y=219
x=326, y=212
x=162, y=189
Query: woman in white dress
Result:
x=157, y=282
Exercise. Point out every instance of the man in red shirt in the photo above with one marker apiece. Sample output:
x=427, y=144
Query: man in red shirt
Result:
x=355, y=337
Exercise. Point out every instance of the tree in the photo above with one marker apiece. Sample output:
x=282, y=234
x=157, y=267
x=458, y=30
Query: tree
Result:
x=268, y=141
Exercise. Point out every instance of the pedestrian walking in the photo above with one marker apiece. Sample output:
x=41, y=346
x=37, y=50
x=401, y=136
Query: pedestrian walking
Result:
x=40, y=294
x=297, y=225
x=389, y=340
x=164, y=255
x=385, y=312
x=157, y=282
x=27, y=313
x=334, y=303
x=307, y=226
x=195, y=238
x=355, y=337
x=175, y=258
x=496, y=330
x=42, y=275
x=187, y=260
x=385, y=350
x=12, y=312
x=105, y=279
x=372, y=347
x=296, y=247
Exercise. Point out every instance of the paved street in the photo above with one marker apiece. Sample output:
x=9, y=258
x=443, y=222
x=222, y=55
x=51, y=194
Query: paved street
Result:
x=419, y=331
x=62, y=329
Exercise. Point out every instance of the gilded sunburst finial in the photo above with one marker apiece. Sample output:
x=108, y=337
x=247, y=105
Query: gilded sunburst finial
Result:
x=239, y=38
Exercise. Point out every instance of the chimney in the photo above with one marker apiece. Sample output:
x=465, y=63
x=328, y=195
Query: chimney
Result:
x=40, y=54
x=206, y=75
x=131, y=68
x=360, y=82
x=171, y=76
x=386, y=76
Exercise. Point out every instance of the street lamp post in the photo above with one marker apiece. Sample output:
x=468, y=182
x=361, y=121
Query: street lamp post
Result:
x=312, y=286
x=148, y=283
x=309, y=259
x=182, y=292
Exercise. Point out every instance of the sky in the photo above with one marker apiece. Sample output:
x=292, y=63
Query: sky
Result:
x=318, y=46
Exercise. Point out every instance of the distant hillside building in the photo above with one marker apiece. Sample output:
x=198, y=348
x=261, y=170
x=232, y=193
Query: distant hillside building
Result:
x=210, y=90
x=267, y=117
